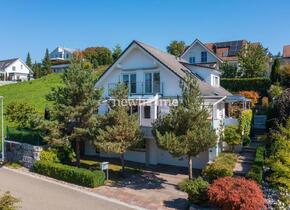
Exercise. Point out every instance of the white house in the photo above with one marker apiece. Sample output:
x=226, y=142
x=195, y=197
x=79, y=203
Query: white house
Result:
x=153, y=78
x=60, y=58
x=14, y=70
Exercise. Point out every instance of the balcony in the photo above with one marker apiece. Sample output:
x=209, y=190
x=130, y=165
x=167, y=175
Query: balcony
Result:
x=141, y=88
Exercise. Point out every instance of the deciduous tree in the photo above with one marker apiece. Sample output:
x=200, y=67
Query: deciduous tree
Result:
x=253, y=60
x=176, y=48
x=186, y=130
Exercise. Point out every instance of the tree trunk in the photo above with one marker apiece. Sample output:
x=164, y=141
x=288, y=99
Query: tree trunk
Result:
x=189, y=167
x=78, y=153
x=122, y=162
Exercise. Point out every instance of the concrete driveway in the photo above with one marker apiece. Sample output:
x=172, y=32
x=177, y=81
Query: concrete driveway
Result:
x=40, y=194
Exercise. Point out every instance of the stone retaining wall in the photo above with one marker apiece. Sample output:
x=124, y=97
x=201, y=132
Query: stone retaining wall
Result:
x=23, y=153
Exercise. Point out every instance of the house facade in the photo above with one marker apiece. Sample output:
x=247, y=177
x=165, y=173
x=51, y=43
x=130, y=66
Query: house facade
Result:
x=213, y=54
x=60, y=58
x=286, y=55
x=153, y=78
x=14, y=70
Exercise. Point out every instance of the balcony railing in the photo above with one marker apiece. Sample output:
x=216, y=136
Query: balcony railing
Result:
x=141, y=88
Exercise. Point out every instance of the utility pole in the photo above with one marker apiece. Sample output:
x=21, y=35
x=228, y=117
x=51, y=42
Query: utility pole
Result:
x=2, y=128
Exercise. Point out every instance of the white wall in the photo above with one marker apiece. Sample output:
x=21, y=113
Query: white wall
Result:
x=195, y=51
x=138, y=60
x=21, y=70
x=206, y=73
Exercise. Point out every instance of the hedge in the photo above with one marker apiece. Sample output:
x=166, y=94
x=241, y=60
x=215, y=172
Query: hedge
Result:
x=259, y=84
x=256, y=171
x=70, y=174
x=221, y=167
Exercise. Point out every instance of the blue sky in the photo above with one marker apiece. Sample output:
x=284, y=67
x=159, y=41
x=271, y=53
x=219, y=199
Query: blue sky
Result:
x=33, y=25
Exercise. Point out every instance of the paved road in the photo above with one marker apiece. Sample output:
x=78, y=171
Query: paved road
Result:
x=38, y=194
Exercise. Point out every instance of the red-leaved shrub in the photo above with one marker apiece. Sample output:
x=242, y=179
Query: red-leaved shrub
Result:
x=237, y=193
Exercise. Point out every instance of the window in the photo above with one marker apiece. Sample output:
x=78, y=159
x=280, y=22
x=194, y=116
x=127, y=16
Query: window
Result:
x=13, y=68
x=225, y=53
x=203, y=58
x=130, y=81
x=133, y=110
x=215, y=81
x=21, y=66
x=147, y=112
x=152, y=82
x=191, y=60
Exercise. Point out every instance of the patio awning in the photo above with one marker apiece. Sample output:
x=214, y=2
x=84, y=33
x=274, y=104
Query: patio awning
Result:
x=232, y=99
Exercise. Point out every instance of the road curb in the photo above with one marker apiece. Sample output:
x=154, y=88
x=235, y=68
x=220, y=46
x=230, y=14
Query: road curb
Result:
x=72, y=187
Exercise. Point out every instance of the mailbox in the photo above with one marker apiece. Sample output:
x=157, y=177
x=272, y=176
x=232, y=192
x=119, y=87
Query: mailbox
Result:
x=105, y=166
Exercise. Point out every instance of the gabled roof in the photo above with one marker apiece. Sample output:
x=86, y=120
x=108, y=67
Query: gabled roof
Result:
x=286, y=51
x=5, y=63
x=234, y=47
x=175, y=65
x=204, y=46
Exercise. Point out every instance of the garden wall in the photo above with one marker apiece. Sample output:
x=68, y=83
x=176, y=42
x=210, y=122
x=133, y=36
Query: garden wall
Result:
x=23, y=153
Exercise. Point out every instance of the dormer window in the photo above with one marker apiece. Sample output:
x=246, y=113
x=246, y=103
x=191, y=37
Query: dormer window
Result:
x=215, y=81
x=203, y=57
x=192, y=60
x=13, y=68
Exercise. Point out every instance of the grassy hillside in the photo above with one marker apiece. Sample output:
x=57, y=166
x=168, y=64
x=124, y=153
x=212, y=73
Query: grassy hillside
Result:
x=32, y=92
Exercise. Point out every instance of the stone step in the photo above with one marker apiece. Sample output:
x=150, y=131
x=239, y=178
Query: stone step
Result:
x=245, y=162
x=246, y=158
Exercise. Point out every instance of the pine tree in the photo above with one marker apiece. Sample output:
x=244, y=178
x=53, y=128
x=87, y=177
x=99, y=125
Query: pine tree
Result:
x=36, y=68
x=74, y=109
x=186, y=130
x=46, y=64
x=275, y=71
x=28, y=61
x=118, y=130
x=116, y=52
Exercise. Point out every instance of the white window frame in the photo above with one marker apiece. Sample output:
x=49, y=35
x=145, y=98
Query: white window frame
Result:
x=215, y=81
x=152, y=81
x=129, y=82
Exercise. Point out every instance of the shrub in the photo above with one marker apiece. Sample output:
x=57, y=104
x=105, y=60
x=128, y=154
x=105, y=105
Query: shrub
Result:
x=275, y=91
x=8, y=202
x=246, y=140
x=279, y=160
x=223, y=166
x=236, y=193
x=232, y=136
x=256, y=171
x=260, y=85
x=246, y=122
x=285, y=75
x=49, y=155
x=250, y=94
x=70, y=174
x=196, y=190
x=23, y=115
x=265, y=103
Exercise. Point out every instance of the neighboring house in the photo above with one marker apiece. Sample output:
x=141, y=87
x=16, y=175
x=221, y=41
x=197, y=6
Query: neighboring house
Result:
x=213, y=54
x=14, y=70
x=153, y=78
x=60, y=58
x=286, y=55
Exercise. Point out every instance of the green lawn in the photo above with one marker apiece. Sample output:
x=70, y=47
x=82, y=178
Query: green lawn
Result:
x=115, y=170
x=32, y=92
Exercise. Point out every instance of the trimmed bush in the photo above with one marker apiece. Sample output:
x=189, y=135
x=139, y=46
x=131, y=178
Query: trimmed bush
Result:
x=256, y=171
x=259, y=84
x=49, y=155
x=246, y=140
x=70, y=174
x=196, y=190
x=236, y=193
x=246, y=122
x=232, y=136
x=223, y=166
